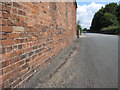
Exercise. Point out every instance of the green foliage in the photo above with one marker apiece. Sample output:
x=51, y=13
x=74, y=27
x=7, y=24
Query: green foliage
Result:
x=79, y=26
x=85, y=29
x=112, y=8
x=110, y=28
x=118, y=15
x=107, y=18
x=97, y=21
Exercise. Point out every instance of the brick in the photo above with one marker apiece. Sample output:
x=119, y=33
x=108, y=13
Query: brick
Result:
x=30, y=34
x=19, y=52
x=27, y=60
x=16, y=82
x=15, y=47
x=1, y=14
x=5, y=15
x=24, y=45
x=1, y=70
x=5, y=84
x=7, y=3
x=5, y=63
x=9, y=49
x=3, y=22
x=20, y=46
x=8, y=55
x=31, y=53
x=7, y=42
x=3, y=36
x=29, y=4
x=14, y=10
x=7, y=69
x=29, y=24
x=11, y=23
x=6, y=76
x=25, y=66
x=14, y=17
x=6, y=28
x=11, y=79
x=13, y=35
x=23, y=56
x=14, y=60
x=17, y=5
x=18, y=29
x=6, y=8
x=21, y=18
x=21, y=12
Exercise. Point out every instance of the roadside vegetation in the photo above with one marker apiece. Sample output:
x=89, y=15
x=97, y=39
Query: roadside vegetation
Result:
x=107, y=19
x=79, y=28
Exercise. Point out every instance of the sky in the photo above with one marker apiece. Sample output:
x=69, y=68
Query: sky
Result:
x=87, y=8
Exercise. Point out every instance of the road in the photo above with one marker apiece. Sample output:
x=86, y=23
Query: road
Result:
x=92, y=64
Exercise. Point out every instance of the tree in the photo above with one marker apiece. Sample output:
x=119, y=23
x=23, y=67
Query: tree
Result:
x=109, y=19
x=79, y=28
x=96, y=22
x=85, y=29
x=112, y=8
x=105, y=17
x=118, y=15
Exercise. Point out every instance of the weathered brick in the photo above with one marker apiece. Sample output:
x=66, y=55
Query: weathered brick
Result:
x=24, y=45
x=31, y=33
x=22, y=18
x=21, y=12
x=5, y=84
x=6, y=28
x=14, y=17
x=31, y=53
x=9, y=49
x=8, y=55
x=13, y=35
x=2, y=50
x=25, y=66
x=3, y=22
x=23, y=56
x=6, y=76
x=11, y=23
x=18, y=29
x=1, y=14
x=15, y=47
x=14, y=60
x=15, y=4
x=7, y=42
x=5, y=15
x=5, y=63
x=7, y=3
x=16, y=82
x=6, y=8
x=14, y=10
x=27, y=60
x=20, y=46
x=29, y=4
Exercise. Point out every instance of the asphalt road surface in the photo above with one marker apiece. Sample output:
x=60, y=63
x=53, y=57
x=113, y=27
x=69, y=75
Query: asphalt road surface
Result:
x=92, y=64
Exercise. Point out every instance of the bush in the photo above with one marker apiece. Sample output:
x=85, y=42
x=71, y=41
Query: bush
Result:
x=111, y=30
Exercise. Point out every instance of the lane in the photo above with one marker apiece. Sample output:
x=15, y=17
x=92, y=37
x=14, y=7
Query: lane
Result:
x=99, y=54
x=93, y=64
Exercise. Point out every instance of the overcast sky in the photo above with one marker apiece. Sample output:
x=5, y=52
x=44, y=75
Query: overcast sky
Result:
x=87, y=9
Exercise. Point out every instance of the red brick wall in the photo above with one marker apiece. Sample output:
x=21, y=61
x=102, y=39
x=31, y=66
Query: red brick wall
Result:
x=31, y=33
